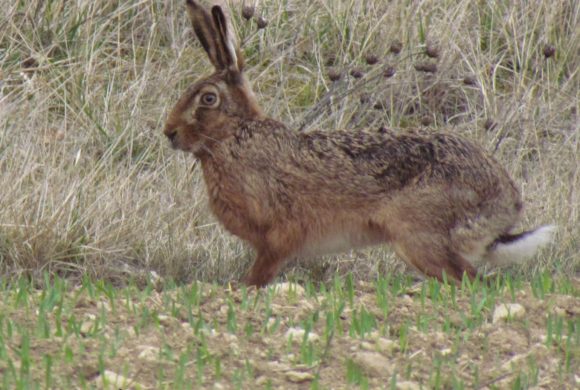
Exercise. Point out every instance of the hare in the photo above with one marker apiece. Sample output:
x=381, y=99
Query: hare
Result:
x=444, y=205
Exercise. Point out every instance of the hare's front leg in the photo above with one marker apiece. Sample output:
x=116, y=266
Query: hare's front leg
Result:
x=264, y=269
x=273, y=248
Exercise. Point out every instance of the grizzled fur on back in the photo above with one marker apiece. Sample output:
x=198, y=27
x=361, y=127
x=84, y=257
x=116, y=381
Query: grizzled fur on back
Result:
x=443, y=204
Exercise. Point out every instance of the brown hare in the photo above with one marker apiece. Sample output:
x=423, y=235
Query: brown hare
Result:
x=442, y=202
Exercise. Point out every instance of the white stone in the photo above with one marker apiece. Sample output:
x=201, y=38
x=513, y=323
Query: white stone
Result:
x=149, y=353
x=408, y=385
x=230, y=338
x=299, y=376
x=372, y=362
x=297, y=335
x=508, y=310
x=164, y=320
x=289, y=288
x=277, y=366
x=111, y=380
x=386, y=345
x=261, y=380
x=87, y=327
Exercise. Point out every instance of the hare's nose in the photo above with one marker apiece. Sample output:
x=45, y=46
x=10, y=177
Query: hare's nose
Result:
x=170, y=132
x=171, y=135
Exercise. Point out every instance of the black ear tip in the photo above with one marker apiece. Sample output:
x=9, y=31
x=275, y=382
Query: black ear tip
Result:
x=216, y=9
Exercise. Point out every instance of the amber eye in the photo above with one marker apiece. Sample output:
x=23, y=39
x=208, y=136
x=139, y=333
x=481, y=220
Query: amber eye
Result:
x=209, y=98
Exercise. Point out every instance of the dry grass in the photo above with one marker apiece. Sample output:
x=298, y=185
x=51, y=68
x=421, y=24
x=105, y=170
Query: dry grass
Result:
x=90, y=186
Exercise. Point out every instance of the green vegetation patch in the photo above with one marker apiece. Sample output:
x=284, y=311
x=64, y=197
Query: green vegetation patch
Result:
x=382, y=334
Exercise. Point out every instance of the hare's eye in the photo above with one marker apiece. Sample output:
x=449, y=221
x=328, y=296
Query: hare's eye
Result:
x=209, y=98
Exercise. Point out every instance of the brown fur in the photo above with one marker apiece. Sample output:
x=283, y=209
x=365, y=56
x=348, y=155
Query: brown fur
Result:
x=437, y=198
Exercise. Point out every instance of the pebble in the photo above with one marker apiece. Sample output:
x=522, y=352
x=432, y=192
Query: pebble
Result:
x=299, y=376
x=372, y=362
x=508, y=310
x=111, y=380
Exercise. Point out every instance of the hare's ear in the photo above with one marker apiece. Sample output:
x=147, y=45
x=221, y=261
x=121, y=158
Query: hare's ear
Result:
x=206, y=34
x=213, y=34
x=233, y=56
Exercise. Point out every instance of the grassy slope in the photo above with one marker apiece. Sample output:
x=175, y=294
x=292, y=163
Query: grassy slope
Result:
x=90, y=186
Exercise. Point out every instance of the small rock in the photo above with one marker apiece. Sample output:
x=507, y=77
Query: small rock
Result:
x=131, y=332
x=508, y=310
x=277, y=366
x=446, y=351
x=112, y=380
x=514, y=361
x=560, y=312
x=87, y=327
x=164, y=320
x=230, y=338
x=386, y=345
x=289, y=288
x=103, y=305
x=211, y=333
x=297, y=335
x=149, y=353
x=367, y=346
x=90, y=316
x=539, y=349
x=408, y=385
x=372, y=362
x=298, y=376
x=261, y=380
x=271, y=322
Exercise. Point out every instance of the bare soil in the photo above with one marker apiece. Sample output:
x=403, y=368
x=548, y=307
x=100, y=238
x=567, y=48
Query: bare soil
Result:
x=208, y=336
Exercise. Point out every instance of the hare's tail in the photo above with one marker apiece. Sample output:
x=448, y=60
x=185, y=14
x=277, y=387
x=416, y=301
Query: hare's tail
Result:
x=510, y=249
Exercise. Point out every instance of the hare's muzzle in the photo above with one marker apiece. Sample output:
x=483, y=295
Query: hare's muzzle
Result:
x=171, y=133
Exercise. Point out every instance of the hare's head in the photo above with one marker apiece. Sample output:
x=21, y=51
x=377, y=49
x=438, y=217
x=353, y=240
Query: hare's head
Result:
x=210, y=110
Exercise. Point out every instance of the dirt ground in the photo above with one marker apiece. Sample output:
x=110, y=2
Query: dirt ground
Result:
x=207, y=336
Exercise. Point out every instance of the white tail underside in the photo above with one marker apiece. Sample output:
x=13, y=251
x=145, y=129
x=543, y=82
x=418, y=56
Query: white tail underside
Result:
x=518, y=251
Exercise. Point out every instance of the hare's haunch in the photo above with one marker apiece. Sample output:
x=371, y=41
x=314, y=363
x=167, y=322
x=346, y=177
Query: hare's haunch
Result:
x=442, y=202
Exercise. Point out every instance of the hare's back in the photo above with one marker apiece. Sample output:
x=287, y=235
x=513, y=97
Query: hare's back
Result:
x=394, y=161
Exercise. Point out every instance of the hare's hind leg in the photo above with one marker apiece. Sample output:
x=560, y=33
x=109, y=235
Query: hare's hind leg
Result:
x=432, y=256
